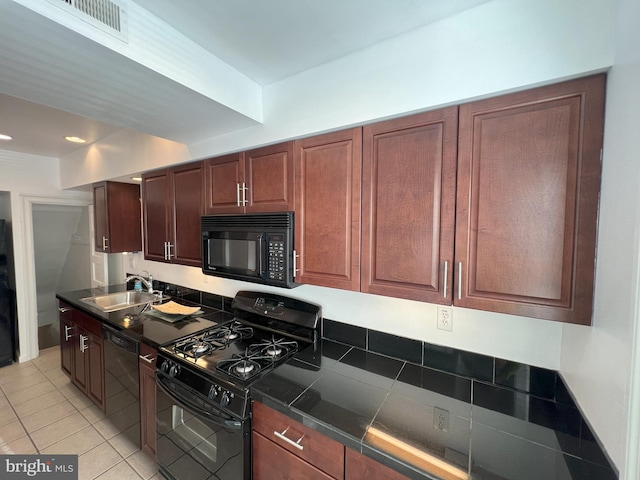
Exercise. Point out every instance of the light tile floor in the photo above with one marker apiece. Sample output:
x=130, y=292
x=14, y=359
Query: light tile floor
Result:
x=41, y=411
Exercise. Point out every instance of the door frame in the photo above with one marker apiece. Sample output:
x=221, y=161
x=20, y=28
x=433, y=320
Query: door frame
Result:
x=24, y=254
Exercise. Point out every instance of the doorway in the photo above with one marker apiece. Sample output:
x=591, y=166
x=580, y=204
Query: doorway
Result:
x=62, y=255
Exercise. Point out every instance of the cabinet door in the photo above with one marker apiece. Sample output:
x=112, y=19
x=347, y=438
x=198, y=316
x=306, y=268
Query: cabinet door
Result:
x=80, y=372
x=272, y=462
x=328, y=180
x=100, y=217
x=224, y=177
x=117, y=225
x=95, y=367
x=67, y=335
x=148, y=399
x=357, y=467
x=408, y=206
x=528, y=183
x=155, y=190
x=187, y=186
x=269, y=178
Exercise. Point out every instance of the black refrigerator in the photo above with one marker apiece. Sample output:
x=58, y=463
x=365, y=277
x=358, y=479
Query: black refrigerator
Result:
x=8, y=323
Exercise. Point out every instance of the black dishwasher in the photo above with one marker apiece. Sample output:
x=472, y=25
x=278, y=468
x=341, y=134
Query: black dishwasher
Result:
x=122, y=385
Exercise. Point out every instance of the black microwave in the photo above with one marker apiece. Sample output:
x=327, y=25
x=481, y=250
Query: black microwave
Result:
x=252, y=247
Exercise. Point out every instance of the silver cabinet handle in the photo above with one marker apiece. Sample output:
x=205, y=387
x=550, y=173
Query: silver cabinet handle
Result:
x=238, y=195
x=244, y=194
x=169, y=247
x=105, y=244
x=147, y=358
x=83, y=344
x=67, y=334
x=459, y=280
x=64, y=309
x=283, y=436
x=446, y=274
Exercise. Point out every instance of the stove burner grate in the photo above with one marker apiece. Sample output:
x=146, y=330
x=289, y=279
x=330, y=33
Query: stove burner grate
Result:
x=275, y=347
x=229, y=333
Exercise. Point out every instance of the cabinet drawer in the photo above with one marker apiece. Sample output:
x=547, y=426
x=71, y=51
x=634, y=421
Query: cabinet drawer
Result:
x=316, y=449
x=90, y=324
x=272, y=462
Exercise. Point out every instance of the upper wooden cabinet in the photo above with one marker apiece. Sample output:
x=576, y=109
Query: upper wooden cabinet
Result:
x=408, y=206
x=117, y=226
x=527, y=202
x=328, y=179
x=259, y=180
x=172, y=202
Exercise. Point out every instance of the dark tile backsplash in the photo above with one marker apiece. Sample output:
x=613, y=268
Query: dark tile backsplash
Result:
x=459, y=362
x=342, y=332
x=394, y=346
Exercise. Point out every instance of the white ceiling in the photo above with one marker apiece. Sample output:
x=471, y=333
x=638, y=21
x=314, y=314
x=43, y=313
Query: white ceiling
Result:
x=55, y=82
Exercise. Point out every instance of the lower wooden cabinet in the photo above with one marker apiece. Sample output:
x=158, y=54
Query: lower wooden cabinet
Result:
x=271, y=462
x=358, y=466
x=147, y=366
x=284, y=448
x=82, y=352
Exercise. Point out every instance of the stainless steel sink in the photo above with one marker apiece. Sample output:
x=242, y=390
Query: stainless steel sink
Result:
x=117, y=301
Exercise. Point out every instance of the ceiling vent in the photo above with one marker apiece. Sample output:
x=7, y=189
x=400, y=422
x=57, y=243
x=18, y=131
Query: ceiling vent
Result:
x=106, y=15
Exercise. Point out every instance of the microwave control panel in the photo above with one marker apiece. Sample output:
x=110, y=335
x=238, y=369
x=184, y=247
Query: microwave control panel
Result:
x=275, y=256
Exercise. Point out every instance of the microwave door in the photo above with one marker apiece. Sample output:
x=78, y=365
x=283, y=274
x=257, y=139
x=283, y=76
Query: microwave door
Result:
x=235, y=253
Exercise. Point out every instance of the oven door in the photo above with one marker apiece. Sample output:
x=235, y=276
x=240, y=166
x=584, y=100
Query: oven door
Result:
x=194, y=440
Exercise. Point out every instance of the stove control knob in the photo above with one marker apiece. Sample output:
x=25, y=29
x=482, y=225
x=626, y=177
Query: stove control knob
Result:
x=225, y=399
x=174, y=370
x=165, y=366
x=213, y=393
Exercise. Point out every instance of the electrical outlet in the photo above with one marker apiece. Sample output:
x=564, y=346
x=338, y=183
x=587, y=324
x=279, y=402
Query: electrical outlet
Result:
x=441, y=419
x=445, y=319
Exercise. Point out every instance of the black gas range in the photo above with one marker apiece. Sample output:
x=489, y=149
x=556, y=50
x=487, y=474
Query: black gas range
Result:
x=204, y=380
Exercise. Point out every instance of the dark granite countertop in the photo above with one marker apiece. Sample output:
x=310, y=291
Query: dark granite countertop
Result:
x=142, y=327
x=480, y=430
x=467, y=410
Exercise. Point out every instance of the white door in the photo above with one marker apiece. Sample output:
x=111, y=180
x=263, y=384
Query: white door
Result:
x=99, y=261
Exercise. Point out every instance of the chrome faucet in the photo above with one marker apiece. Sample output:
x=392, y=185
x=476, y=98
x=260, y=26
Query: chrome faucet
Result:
x=147, y=282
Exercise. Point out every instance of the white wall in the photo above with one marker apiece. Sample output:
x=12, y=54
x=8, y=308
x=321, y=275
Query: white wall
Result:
x=28, y=177
x=597, y=361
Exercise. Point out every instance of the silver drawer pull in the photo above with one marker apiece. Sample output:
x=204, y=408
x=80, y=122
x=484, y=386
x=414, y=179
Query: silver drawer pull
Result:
x=147, y=358
x=64, y=309
x=67, y=333
x=282, y=436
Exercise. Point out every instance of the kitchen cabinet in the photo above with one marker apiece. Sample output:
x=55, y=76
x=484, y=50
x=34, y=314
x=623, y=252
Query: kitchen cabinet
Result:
x=117, y=215
x=284, y=448
x=259, y=180
x=147, y=364
x=408, y=206
x=172, y=202
x=358, y=466
x=66, y=337
x=82, y=352
x=328, y=221
x=527, y=201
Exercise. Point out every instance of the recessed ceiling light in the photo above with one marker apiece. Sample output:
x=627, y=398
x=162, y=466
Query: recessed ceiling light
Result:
x=5, y=137
x=136, y=179
x=75, y=139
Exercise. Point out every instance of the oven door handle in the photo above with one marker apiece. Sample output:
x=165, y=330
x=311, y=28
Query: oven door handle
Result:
x=197, y=411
